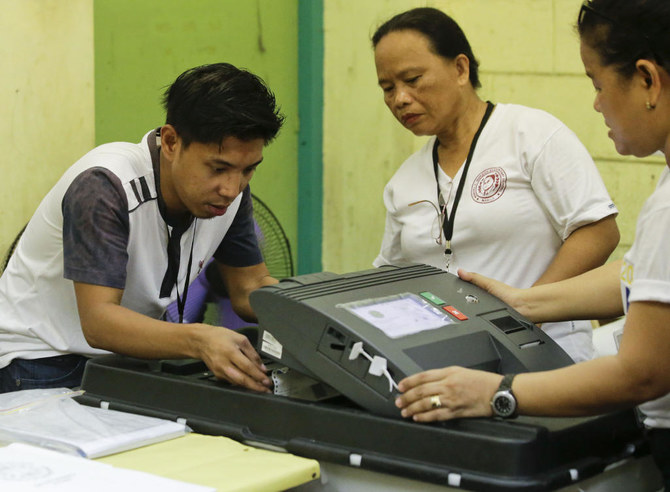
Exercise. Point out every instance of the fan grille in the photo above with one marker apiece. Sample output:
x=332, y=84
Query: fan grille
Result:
x=274, y=244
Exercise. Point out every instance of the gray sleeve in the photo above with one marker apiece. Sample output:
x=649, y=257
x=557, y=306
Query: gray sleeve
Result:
x=239, y=247
x=96, y=229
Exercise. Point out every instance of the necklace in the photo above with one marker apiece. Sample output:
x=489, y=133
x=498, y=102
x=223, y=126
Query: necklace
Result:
x=448, y=222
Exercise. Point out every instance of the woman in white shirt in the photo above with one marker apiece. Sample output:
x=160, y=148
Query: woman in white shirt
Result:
x=504, y=190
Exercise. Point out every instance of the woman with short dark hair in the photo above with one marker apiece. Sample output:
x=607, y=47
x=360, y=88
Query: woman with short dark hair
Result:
x=505, y=190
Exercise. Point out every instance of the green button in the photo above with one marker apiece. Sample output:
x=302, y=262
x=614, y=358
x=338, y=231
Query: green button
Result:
x=432, y=298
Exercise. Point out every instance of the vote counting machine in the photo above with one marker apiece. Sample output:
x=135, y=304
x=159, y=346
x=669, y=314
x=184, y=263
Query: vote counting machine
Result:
x=337, y=345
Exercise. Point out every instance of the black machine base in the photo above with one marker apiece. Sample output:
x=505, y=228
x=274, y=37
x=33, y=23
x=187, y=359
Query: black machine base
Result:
x=475, y=454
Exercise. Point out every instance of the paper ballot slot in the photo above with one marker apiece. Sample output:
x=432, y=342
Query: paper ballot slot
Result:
x=394, y=320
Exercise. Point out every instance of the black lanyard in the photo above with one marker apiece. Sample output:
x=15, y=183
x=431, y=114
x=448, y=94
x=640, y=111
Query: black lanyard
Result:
x=172, y=273
x=171, y=277
x=448, y=222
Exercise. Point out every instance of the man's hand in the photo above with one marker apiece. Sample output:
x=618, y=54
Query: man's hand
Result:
x=230, y=356
x=109, y=326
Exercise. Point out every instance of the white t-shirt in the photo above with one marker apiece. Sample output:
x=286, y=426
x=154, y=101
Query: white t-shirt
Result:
x=645, y=274
x=38, y=311
x=530, y=184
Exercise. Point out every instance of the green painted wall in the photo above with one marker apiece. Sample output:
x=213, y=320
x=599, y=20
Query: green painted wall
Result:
x=310, y=150
x=527, y=49
x=46, y=101
x=528, y=53
x=142, y=46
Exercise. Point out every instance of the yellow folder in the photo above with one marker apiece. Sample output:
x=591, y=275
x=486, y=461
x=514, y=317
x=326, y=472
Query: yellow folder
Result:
x=219, y=462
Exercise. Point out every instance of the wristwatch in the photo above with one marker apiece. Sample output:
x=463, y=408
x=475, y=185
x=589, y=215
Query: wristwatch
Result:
x=503, y=402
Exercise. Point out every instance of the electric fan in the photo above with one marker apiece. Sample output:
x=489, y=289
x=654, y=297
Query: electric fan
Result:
x=276, y=251
x=272, y=240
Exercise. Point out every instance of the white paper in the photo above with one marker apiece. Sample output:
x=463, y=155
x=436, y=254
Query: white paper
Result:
x=25, y=468
x=52, y=419
x=271, y=346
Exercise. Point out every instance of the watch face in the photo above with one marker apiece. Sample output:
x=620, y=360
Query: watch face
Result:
x=504, y=404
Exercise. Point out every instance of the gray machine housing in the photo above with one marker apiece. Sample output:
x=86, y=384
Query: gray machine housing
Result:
x=529, y=454
x=305, y=323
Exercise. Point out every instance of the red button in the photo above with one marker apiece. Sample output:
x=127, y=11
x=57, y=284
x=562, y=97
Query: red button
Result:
x=455, y=313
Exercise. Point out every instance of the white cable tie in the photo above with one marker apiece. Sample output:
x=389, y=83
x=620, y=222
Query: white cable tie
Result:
x=392, y=383
x=366, y=355
x=378, y=366
x=356, y=350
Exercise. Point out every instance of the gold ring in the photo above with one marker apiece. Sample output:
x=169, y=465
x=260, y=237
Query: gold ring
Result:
x=435, y=401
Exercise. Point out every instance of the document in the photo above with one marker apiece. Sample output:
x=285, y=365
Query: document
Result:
x=26, y=468
x=51, y=419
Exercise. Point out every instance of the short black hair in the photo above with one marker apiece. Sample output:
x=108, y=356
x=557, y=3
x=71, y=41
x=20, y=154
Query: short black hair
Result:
x=444, y=35
x=211, y=102
x=624, y=31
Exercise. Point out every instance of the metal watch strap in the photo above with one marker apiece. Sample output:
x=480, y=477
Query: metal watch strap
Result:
x=506, y=383
x=504, y=402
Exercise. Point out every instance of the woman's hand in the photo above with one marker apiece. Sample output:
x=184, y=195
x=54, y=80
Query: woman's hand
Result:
x=510, y=295
x=452, y=392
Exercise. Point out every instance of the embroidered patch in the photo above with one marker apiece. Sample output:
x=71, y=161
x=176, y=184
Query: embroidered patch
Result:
x=489, y=185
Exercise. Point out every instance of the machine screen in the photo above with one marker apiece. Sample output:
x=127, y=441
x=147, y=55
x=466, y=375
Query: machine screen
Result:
x=398, y=315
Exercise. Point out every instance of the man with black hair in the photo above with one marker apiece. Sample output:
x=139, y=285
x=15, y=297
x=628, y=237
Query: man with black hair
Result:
x=129, y=226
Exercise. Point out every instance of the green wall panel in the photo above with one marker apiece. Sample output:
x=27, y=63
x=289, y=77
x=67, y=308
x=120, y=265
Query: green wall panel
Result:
x=310, y=153
x=142, y=46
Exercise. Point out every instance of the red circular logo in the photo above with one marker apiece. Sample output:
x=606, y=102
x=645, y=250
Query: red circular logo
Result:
x=489, y=185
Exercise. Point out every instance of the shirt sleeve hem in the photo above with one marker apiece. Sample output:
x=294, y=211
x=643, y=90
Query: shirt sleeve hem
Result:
x=589, y=217
x=94, y=278
x=650, y=291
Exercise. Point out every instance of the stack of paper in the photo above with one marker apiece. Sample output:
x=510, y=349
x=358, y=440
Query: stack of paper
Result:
x=52, y=419
x=25, y=468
